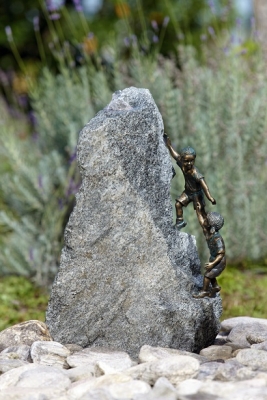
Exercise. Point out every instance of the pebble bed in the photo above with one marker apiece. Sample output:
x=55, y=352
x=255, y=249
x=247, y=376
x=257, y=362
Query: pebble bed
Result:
x=34, y=367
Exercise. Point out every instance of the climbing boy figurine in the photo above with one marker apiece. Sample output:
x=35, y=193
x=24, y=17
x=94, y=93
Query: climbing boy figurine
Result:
x=195, y=185
x=217, y=262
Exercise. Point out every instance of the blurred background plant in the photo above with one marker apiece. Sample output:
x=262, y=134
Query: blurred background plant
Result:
x=204, y=65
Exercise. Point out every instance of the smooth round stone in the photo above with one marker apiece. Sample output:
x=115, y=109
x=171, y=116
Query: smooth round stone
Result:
x=255, y=359
x=214, y=352
x=228, y=324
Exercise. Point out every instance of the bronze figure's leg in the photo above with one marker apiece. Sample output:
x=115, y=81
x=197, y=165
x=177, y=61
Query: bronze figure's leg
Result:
x=181, y=202
x=215, y=287
x=205, y=291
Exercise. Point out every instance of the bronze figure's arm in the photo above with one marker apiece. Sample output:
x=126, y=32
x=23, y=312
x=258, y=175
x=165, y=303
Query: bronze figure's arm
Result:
x=206, y=191
x=202, y=220
x=168, y=143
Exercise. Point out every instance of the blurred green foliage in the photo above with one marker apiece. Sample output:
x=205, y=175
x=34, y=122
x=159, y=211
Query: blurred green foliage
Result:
x=20, y=301
x=244, y=292
x=159, y=25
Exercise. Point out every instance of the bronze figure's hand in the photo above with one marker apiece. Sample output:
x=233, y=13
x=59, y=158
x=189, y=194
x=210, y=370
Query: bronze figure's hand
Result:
x=208, y=266
x=167, y=140
x=213, y=201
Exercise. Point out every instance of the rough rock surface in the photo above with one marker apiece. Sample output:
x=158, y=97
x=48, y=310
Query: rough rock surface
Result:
x=127, y=275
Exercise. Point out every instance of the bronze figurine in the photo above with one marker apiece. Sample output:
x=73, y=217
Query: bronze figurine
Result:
x=211, y=225
x=195, y=185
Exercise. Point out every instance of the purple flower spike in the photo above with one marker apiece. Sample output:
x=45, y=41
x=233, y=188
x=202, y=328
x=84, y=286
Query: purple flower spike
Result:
x=9, y=33
x=212, y=6
x=73, y=156
x=238, y=22
x=155, y=39
x=155, y=25
x=36, y=23
x=50, y=6
x=211, y=31
x=32, y=118
x=166, y=21
x=91, y=35
x=78, y=5
x=3, y=78
x=60, y=204
x=54, y=16
x=126, y=41
x=31, y=255
x=40, y=182
x=203, y=37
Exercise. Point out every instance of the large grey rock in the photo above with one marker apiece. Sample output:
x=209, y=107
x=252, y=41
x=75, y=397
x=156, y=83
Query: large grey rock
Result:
x=127, y=276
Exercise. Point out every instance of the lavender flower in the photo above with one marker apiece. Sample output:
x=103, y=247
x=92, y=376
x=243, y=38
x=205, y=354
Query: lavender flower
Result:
x=35, y=136
x=155, y=39
x=238, y=22
x=203, y=37
x=72, y=188
x=126, y=41
x=23, y=100
x=3, y=78
x=212, y=6
x=31, y=254
x=60, y=204
x=9, y=33
x=165, y=21
x=78, y=5
x=36, y=26
x=73, y=156
x=54, y=5
x=54, y=16
x=40, y=182
x=50, y=6
x=154, y=25
x=211, y=31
